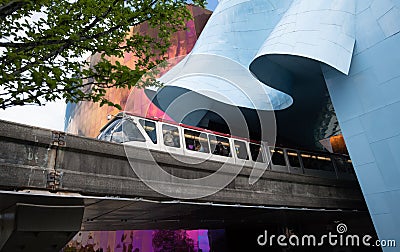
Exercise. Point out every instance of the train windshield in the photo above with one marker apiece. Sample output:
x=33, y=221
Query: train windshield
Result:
x=127, y=131
x=107, y=133
x=122, y=130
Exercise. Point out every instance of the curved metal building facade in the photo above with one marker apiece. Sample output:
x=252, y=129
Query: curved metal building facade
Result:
x=300, y=47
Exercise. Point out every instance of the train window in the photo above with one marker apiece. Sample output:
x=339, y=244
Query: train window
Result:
x=350, y=166
x=219, y=145
x=106, y=134
x=241, y=150
x=293, y=158
x=278, y=157
x=171, y=136
x=150, y=128
x=127, y=131
x=256, y=153
x=317, y=162
x=196, y=141
x=344, y=165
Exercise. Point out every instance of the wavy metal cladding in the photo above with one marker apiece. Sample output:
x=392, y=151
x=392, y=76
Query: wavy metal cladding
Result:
x=352, y=46
x=230, y=40
x=308, y=34
x=367, y=103
x=219, y=64
x=320, y=30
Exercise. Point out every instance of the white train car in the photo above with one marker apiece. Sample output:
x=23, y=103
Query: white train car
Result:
x=177, y=138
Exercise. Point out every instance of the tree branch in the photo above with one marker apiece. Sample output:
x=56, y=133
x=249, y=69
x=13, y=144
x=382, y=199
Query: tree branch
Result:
x=11, y=7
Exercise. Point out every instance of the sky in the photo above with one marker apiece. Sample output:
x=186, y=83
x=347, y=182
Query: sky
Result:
x=211, y=4
x=50, y=116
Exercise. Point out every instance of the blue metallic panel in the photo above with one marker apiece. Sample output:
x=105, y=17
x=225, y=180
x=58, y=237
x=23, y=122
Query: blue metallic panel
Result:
x=367, y=101
x=227, y=44
x=354, y=44
x=320, y=30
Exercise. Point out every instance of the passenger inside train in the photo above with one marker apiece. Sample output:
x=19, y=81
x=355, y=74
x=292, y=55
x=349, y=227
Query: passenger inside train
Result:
x=156, y=134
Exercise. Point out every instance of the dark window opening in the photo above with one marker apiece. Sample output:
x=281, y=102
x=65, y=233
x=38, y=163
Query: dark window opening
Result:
x=344, y=165
x=150, y=128
x=241, y=150
x=171, y=136
x=219, y=145
x=278, y=158
x=293, y=158
x=196, y=141
x=317, y=162
x=256, y=153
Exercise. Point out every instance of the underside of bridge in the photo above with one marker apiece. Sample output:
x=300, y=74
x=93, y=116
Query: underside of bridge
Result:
x=46, y=221
x=113, y=213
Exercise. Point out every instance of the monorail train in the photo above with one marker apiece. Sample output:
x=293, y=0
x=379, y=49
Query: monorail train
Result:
x=177, y=138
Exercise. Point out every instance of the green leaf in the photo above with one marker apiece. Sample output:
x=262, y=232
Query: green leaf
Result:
x=45, y=63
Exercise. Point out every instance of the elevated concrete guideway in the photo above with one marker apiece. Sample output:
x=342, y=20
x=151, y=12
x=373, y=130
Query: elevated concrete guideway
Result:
x=49, y=177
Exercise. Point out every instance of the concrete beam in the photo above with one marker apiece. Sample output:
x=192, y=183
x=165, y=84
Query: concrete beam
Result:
x=41, y=167
x=34, y=158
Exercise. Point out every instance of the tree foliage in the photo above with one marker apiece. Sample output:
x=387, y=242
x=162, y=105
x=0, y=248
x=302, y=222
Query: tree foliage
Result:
x=42, y=43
